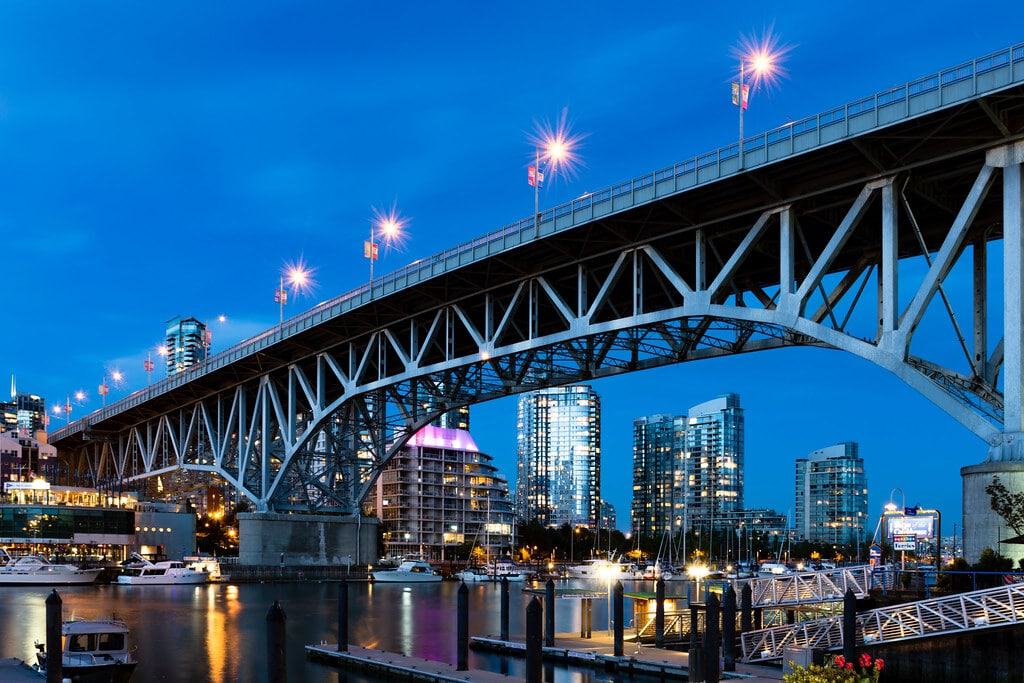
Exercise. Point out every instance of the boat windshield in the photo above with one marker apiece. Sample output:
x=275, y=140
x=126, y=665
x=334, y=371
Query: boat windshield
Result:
x=96, y=642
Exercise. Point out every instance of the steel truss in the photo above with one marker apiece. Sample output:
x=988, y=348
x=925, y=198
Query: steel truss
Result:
x=315, y=433
x=977, y=610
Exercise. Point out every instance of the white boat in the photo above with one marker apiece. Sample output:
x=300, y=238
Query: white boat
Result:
x=210, y=565
x=492, y=573
x=146, y=573
x=410, y=571
x=94, y=651
x=35, y=570
x=604, y=570
x=774, y=569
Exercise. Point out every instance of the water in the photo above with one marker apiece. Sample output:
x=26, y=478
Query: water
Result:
x=217, y=632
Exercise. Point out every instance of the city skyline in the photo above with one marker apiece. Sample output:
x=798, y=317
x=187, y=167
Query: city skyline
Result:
x=74, y=239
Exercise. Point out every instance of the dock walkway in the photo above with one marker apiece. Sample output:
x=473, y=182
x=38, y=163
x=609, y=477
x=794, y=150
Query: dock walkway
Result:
x=397, y=666
x=16, y=671
x=598, y=652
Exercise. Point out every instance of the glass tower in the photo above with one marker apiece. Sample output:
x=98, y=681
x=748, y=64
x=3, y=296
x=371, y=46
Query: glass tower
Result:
x=186, y=343
x=559, y=454
x=713, y=460
x=832, y=495
x=659, y=476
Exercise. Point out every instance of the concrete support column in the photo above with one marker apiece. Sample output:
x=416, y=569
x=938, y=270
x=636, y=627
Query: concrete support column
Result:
x=1013, y=302
x=888, y=305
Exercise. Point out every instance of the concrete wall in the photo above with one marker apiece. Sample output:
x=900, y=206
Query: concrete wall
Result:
x=173, y=533
x=306, y=539
x=983, y=528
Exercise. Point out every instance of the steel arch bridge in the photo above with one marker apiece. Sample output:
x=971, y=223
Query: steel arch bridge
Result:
x=802, y=242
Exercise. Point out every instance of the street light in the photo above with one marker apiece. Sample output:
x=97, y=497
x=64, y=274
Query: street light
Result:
x=389, y=227
x=296, y=276
x=554, y=150
x=760, y=59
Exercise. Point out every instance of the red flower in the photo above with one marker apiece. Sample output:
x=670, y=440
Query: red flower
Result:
x=865, y=660
x=879, y=664
x=849, y=666
x=840, y=661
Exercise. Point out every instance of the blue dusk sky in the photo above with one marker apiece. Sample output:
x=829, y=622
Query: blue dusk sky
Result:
x=164, y=159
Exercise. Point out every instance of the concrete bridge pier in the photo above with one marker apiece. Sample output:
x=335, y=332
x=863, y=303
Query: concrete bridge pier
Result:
x=270, y=538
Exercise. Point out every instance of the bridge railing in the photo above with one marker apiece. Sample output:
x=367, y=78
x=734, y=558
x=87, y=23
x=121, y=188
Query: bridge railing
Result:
x=983, y=75
x=810, y=587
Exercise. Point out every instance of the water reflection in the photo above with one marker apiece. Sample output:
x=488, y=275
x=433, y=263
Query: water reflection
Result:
x=217, y=632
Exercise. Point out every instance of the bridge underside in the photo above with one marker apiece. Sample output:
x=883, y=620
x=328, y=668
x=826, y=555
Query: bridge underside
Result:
x=849, y=248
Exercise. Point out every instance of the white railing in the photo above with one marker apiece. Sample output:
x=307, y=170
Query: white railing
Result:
x=809, y=587
x=987, y=74
x=990, y=608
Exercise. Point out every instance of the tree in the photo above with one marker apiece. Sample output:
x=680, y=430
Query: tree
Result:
x=1009, y=506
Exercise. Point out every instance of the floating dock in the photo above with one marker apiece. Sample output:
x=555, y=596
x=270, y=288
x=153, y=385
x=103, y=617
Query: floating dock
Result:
x=17, y=671
x=598, y=652
x=397, y=666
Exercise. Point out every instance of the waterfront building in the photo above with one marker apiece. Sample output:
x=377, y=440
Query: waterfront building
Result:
x=659, y=484
x=25, y=458
x=832, y=495
x=761, y=520
x=608, y=517
x=440, y=491
x=457, y=418
x=64, y=521
x=186, y=343
x=559, y=456
x=713, y=458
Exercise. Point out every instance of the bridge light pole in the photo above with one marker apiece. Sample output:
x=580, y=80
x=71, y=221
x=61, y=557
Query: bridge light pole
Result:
x=299, y=277
x=553, y=149
x=387, y=225
x=760, y=59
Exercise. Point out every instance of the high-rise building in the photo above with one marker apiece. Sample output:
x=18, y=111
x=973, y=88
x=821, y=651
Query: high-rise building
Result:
x=456, y=418
x=186, y=343
x=440, y=491
x=559, y=453
x=832, y=495
x=24, y=412
x=25, y=458
x=713, y=459
x=608, y=518
x=659, y=475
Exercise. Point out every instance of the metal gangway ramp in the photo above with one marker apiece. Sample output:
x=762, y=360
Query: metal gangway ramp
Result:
x=805, y=588
x=973, y=611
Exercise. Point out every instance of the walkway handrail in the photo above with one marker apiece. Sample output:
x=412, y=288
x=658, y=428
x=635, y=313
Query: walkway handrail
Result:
x=990, y=73
x=976, y=610
x=809, y=587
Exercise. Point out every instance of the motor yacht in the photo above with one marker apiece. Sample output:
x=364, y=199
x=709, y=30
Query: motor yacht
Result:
x=774, y=569
x=410, y=571
x=94, y=652
x=210, y=565
x=604, y=570
x=35, y=570
x=142, y=572
x=495, y=571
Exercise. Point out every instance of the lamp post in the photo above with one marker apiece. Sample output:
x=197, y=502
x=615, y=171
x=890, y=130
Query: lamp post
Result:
x=386, y=225
x=760, y=60
x=298, y=277
x=554, y=148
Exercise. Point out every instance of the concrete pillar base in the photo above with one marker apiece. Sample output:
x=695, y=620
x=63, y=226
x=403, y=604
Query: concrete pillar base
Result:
x=983, y=528
x=267, y=538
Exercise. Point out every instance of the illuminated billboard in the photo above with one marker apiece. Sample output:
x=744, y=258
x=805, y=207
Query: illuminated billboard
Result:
x=922, y=525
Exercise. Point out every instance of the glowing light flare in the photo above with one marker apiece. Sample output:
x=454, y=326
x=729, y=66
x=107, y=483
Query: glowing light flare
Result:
x=557, y=146
x=761, y=58
x=222, y=318
x=299, y=277
x=57, y=410
x=389, y=225
x=161, y=350
x=80, y=396
x=117, y=376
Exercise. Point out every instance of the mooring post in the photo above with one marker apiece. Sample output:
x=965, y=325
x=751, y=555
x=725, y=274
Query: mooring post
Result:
x=549, y=613
x=746, y=609
x=711, y=617
x=462, y=629
x=694, y=664
x=504, y=608
x=343, y=616
x=54, y=623
x=277, y=667
x=850, y=626
x=758, y=618
x=534, y=651
x=729, y=629
x=659, y=613
x=618, y=617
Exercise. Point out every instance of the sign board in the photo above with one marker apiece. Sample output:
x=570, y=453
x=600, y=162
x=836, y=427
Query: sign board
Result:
x=904, y=542
x=37, y=485
x=920, y=525
x=874, y=554
x=910, y=511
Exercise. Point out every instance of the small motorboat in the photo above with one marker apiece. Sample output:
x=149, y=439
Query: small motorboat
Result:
x=37, y=571
x=605, y=570
x=142, y=572
x=410, y=571
x=494, y=572
x=94, y=652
